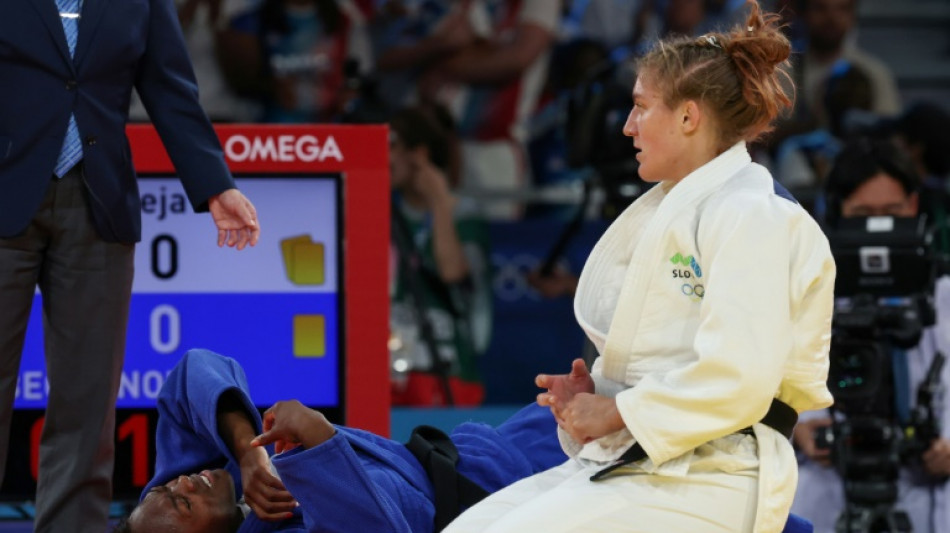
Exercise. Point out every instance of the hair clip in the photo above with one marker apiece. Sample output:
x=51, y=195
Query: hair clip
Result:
x=711, y=40
x=750, y=29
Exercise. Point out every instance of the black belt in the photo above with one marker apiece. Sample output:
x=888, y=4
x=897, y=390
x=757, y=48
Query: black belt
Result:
x=438, y=456
x=780, y=417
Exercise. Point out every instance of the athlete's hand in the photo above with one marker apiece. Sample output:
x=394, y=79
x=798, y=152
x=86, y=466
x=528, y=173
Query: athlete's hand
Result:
x=561, y=388
x=937, y=458
x=264, y=493
x=804, y=437
x=290, y=424
x=590, y=416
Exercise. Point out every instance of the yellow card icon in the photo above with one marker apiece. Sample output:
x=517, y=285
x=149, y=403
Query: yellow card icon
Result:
x=309, y=336
x=303, y=260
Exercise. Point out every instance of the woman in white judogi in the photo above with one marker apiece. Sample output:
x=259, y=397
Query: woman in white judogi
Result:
x=707, y=298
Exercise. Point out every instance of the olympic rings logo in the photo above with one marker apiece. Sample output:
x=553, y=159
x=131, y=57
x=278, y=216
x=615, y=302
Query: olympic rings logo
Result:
x=509, y=279
x=695, y=292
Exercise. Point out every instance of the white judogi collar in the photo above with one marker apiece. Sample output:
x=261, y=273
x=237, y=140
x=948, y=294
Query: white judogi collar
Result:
x=636, y=236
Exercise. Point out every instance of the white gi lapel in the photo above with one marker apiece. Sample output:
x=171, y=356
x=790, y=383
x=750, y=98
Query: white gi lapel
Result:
x=682, y=198
x=612, y=249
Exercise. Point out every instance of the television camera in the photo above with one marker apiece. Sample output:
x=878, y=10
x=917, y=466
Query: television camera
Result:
x=883, y=302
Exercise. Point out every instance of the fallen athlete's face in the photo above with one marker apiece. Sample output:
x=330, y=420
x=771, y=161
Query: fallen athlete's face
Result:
x=199, y=502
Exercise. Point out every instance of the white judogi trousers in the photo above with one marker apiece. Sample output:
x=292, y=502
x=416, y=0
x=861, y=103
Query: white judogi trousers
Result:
x=564, y=500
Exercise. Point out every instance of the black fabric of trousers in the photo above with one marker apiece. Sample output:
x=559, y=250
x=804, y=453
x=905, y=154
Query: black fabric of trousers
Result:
x=86, y=286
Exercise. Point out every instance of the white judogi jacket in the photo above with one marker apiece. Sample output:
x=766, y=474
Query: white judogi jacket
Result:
x=705, y=300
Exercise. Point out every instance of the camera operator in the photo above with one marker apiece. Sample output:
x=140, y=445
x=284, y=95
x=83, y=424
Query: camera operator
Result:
x=869, y=179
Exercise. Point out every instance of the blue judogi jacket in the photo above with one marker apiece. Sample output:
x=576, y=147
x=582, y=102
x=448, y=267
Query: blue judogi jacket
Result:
x=356, y=481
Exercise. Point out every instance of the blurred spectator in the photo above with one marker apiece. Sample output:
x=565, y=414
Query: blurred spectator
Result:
x=612, y=23
x=491, y=83
x=802, y=161
x=204, y=23
x=829, y=26
x=484, y=60
x=793, y=27
x=724, y=14
x=408, y=35
x=441, y=287
x=924, y=130
x=824, y=31
x=294, y=54
x=575, y=66
x=660, y=18
x=685, y=17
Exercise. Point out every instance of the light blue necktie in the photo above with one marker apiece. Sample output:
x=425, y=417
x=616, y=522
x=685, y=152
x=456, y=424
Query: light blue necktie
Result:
x=71, y=152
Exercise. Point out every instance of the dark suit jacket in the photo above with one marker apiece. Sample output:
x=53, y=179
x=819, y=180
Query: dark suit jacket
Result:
x=122, y=43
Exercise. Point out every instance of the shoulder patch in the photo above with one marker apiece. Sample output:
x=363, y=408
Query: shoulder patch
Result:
x=781, y=191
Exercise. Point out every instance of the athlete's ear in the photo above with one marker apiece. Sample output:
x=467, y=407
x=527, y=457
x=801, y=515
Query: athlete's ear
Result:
x=691, y=115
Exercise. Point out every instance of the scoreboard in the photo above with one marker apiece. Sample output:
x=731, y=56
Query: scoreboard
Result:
x=304, y=311
x=273, y=307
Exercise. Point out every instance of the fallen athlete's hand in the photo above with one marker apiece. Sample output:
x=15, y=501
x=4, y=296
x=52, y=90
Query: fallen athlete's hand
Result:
x=264, y=493
x=289, y=424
